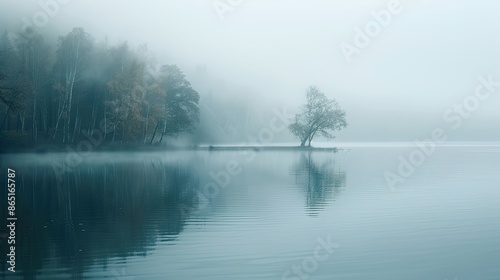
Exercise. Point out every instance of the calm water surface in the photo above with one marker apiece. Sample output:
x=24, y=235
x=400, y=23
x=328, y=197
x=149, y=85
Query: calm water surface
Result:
x=256, y=215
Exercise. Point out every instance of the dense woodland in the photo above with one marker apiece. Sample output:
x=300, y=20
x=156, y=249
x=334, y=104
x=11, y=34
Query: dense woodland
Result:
x=58, y=92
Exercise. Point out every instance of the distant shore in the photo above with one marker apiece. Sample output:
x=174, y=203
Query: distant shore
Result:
x=266, y=148
x=58, y=148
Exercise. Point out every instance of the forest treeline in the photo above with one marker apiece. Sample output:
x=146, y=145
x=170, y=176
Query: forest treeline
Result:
x=58, y=92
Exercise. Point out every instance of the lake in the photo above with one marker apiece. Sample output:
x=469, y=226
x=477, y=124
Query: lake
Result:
x=255, y=215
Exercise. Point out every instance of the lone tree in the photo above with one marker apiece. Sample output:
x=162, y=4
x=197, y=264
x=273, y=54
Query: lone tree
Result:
x=319, y=115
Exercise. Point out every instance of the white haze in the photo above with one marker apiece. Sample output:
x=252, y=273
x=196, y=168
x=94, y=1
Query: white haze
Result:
x=267, y=52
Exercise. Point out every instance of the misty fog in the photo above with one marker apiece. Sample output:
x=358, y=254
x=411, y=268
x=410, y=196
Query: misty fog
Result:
x=249, y=139
x=262, y=55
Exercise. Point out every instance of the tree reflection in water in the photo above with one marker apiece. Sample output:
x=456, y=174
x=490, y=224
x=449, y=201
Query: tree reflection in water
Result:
x=132, y=206
x=320, y=181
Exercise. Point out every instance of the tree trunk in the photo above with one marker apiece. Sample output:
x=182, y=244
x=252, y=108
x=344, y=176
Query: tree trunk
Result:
x=154, y=133
x=311, y=138
x=161, y=138
x=146, y=125
x=93, y=118
x=61, y=110
x=75, y=129
x=5, y=118
x=114, y=133
x=105, y=117
x=303, y=142
x=57, y=123
x=33, y=121
x=22, y=117
x=76, y=119
x=43, y=121
x=69, y=86
x=164, y=130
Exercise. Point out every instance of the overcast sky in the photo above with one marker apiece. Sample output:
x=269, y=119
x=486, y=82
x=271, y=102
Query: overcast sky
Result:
x=397, y=88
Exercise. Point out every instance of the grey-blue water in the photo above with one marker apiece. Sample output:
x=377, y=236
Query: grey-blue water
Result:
x=256, y=215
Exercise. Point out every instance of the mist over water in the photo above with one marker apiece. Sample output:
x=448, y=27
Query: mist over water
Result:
x=225, y=139
x=147, y=215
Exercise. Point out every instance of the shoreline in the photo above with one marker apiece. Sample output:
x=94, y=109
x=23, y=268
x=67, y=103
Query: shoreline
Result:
x=58, y=148
x=268, y=148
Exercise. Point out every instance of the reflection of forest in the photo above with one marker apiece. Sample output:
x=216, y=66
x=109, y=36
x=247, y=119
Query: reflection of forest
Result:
x=99, y=211
x=321, y=182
